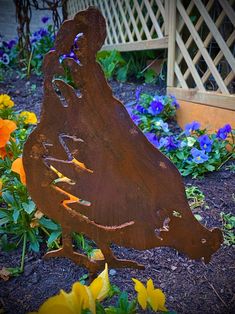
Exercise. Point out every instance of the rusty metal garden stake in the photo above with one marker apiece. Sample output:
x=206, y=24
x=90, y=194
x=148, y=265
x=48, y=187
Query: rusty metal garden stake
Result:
x=91, y=169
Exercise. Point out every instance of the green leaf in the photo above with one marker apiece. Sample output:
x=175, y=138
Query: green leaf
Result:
x=122, y=74
x=49, y=224
x=180, y=155
x=149, y=76
x=8, y=197
x=198, y=217
x=53, y=236
x=29, y=207
x=210, y=167
x=15, y=215
x=3, y=221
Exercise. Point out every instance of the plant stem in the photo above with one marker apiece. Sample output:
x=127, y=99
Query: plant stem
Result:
x=29, y=63
x=229, y=157
x=23, y=252
x=47, y=233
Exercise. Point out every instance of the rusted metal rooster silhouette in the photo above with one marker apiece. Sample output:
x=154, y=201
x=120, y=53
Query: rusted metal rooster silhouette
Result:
x=91, y=169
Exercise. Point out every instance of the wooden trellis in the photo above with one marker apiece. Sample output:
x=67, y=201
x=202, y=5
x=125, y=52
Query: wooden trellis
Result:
x=203, y=38
x=199, y=36
x=131, y=25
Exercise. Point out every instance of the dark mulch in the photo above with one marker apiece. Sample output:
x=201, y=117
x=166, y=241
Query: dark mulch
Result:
x=190, y=286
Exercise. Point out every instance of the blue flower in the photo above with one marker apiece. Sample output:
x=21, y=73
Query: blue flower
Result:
x=223, y=132
x=190, y=127
x=141, y=109
x=162, y=125
x=137, y=94
x=152, y=138
x=174, y=102
x=199, y=156
x=162, y=142
x=4, y=59
x=171, y=143
x=205, y=143
x=156, y=107
x=11, y=43
x=136, y=119
x=45, y=19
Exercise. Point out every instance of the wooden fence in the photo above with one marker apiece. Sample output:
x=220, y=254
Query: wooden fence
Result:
x=199, y=36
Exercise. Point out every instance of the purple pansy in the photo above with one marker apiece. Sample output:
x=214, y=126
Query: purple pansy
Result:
x=152, y=138
x=136, y=119
x=171, y=143
x=223, y=132
x=4, y=59
x=174, y=102
x=45, y=19
x=137, y=94
x=9, y=44
x=141, y=109
x=190, y=127
x=156, y=107
x=162, y=142
x=205, y=143
x=199, y=156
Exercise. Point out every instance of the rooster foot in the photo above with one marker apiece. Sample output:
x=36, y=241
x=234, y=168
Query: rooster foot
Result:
x=124, y=263
x=77, y=258
x=112, y=261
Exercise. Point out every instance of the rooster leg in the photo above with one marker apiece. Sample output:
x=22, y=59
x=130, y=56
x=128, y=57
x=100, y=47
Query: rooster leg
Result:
x=67, y=251
x=116, y=262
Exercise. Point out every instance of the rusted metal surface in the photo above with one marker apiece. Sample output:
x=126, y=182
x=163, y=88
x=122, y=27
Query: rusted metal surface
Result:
x=91, y=169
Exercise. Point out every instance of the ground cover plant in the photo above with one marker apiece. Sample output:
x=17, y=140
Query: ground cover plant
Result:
x=194, y=151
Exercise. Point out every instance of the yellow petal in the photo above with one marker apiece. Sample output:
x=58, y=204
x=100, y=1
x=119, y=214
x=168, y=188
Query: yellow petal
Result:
x=105, y=284
x=59, y=304
x=95, y=287
x=141, y=293
x=157, y=300
x=150, y=286
x=29, y=117
x=97, y=255
x=84, y=298
x=90, y=301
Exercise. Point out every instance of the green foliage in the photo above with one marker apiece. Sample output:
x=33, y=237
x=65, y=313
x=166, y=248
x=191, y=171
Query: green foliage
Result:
x=228, y=228
x=195, y=196
x=126, y=65
x=113, y=64
x=123, y=306
x=194, y=151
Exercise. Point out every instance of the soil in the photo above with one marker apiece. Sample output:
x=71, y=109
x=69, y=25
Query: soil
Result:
x=190, y=286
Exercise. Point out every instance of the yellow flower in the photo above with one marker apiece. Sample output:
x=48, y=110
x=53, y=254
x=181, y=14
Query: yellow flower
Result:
x=17, y=166
x=97, y=255
x=5, y=101
x=101, y=293
x=29, y=117
x=80, y=298
x=154, y=297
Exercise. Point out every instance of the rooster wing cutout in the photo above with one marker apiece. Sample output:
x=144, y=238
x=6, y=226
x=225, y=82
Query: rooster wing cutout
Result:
x=91, y=169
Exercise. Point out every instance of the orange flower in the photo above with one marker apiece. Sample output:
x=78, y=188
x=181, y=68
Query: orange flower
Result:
x=1, y=184
x=3, y=152
x=6, y=128
x=17, y=166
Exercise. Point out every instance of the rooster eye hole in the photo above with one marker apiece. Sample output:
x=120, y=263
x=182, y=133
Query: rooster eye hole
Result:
x=203, y=241
x=59, y=94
